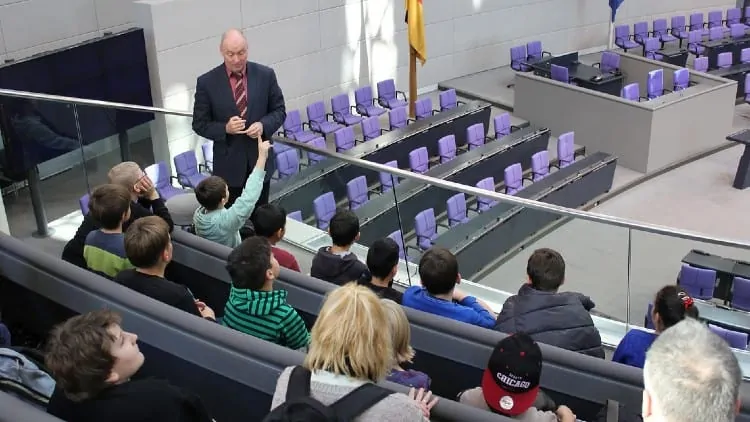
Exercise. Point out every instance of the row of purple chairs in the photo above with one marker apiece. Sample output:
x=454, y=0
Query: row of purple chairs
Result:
x=655, y=85
x=520, y=54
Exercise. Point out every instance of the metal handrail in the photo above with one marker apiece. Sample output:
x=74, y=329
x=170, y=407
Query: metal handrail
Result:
x=470, y=190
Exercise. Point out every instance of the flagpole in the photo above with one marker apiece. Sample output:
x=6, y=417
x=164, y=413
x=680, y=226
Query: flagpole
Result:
x=412, y=80
x=610, y=44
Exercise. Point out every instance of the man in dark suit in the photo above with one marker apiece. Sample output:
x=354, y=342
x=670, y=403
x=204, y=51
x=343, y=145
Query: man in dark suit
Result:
x=234, y=103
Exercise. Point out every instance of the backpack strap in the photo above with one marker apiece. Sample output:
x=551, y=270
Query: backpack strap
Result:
x=299, y=383
x=355, y=403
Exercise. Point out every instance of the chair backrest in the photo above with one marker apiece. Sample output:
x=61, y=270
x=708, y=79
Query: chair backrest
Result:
x=363, y=96
x=539, y=165
x=287, y=162
x=320, y=143
x=397, y=117
x=502, y=125
x=559, y=73
x=566, y=149
x=517, y=56
x=747, y=86
x=741, y=293
x=649, y=319
x=325, y=207
x=456, y=209
x=677, y=23
x=475, y=135
x=694, y=37
x=701, y=64
x=208, y=152
x=423, y=108
x=631, y=91
x=610, y=61
x=316, y=112
x=736, y=339
x=419, y=160
x=340, y=104
x=425, y=227
x=83, y=202
x=488, y=183
x=447, y=148
x=737, y=30
x=398, y=238
x=734, y=14
x=660, y=27
x=448, y=99
x=640, y=30
x=724, y=60
x=295, y=215
x=387, y=89
x=159, y=174
x=513, y=178
x=387, y=180
x=714, y=18
x=696, y=21
x=681, y=79
x=651, y=44
x=293, y=122
x=745, y=55
x=370, y=128
x=344, y=138
x=534, y=49
x=186, y=164
x=716, y=33
x=622, y=32
x=356, y=191
x=655, y=85
x=698, y=282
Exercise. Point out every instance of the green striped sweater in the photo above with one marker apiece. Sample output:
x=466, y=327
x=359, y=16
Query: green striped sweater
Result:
x=266, y=315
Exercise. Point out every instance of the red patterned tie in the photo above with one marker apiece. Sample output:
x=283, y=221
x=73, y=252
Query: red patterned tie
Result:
x=240, y=94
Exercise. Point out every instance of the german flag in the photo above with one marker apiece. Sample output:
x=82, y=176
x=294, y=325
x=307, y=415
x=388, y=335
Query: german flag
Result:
x=415, y=22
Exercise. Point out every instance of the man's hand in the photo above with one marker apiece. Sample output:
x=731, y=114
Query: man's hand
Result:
x=145, y=188
x=564, y=414
x=255, y=130
x=235, y=125
x=205, y=310
x=263, y=147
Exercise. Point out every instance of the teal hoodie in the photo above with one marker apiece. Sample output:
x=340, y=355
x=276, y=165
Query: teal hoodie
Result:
x=223, y=225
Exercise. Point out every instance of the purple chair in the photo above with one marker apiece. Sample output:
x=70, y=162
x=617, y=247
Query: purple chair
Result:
x=365, y=104
x=623, y=39
x=678, y=28
x=388, y=95
x=741, y=294
x=83, y=202
x=715, y=20
x=186, y=166
x=387, y=180
x=661, y=32
x=371, y=128
x=357, y=192
x=342, y=110
x=447, y=148
x=746, y=15
x=655, y=84
x=539, y=165
x=324, y=207
x=694, y=37
x=419, y=160
x=484, y=203
x=648, y=321
x=517, y=58
x=631, y=92
x=318, y=119
x=513, y=178
x=503, y=126
x=565, y=149
x=398, y=238
x=208, y=157
x=700, y=64
x=344, y=139
x=610, y=61
x=294, y=128
x=734, y=15
x=423, y=108
x=681, y=79
x=736, y=339
x=697, y=282
x=640, y=32
x=747, y=87
x=559, y=73
x=425, y=227
x=398, y=117
x=716, y=33
x=696, y=23
x=456, y=210
x=287, y=163
x=449, y=100
x=650, y=47
x=159, y=174
x=313, y=158
x=737, y=30
x=295, y=215
x=475, y=136
x=534, y=50
x=724, y=60
x=745, y=55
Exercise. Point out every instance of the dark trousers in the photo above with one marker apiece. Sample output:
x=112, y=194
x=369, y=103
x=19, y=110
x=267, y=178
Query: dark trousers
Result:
x=235, y=192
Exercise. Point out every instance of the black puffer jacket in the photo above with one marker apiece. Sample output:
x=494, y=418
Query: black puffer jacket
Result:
x=558, y=319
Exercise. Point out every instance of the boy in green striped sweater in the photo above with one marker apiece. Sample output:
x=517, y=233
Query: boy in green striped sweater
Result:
x=254, y=307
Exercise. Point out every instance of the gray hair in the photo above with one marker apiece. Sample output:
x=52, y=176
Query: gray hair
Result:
x=125, y=174
x=692, y=375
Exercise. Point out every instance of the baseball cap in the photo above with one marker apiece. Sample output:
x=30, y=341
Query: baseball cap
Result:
x=511, y=380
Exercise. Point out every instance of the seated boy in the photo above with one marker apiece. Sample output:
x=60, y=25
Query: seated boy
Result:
x=559, y=319
x=92, y=359
x=382, y=262
x=104, y=249
x=254, y=307
x=149, y=247
x=222, y=225
x=335, y=263
x=438, y=271
x=510, y=384
x=269, y=221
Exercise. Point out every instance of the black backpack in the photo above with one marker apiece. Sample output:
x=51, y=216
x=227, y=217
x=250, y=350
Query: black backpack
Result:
x=301, y=407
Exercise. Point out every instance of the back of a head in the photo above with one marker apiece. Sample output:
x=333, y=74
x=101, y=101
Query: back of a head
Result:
x=691, y=375
x=125, y=174
x=108, y=203
x=268, y=219
x=382, y=257
x=344, y=227
x=546, y=269
x=247, y=263
x=210, y=191
x=360, y=348
x=673, y=304
x=145, y=241
x=400, y=331
x=438, y=270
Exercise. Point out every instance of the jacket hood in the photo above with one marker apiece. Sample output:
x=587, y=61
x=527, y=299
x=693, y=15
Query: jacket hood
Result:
x=527, y=290
x=256, y=303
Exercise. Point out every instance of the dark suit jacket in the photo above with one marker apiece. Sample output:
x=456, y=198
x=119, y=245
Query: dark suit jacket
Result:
x=235, y=155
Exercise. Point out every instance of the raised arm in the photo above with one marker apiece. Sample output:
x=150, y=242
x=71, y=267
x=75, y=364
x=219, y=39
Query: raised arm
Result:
x=203, y=119
x=240, y=211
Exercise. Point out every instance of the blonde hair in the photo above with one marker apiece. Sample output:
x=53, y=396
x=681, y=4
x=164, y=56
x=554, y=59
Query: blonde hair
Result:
x=400, y=332
x=350, y=336
x=125, y=174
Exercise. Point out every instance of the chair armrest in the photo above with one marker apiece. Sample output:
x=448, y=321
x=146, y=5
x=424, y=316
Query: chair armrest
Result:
x=555, y=165
x=579, y=154
x=382, y=131
x=175, y=178
x=354, y=109
x=724, y=21
x=381, y=102
x=282, y=132
x=403, y=95
x=459, y=102
x=204, y=168
x=597, y=64
x=488, y=138
x=358, y=141
x=642, y=99
x=514, y=128
x=329, y=115
x=445, y=226
x=409, y=120
x=547, y=53
x=308, y=125
x=434, y=112
x=705, y=24
x=664, y=91
x=526, y=178
x=407, y=247
x=375, y=101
